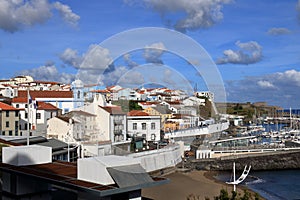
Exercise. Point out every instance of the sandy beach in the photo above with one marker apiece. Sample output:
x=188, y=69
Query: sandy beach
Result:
x=198, y=183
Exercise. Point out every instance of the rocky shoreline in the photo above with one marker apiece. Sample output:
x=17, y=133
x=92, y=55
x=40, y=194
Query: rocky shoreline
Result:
x=276, y=160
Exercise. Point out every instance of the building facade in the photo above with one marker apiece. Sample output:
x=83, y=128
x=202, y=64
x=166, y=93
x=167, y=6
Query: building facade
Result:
x=9, y=120
x=141, y=124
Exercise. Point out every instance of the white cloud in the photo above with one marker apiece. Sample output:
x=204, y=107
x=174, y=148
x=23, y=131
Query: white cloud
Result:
x=94, y=66
x=132, y=79
x=67, y=13
x=278, y=31
x=273, y=88
x=153, y=53
x=291, y=77
x=18, y=14
x=71, y=57
x=130, y=63
x=48, y=73
x=194, y=14
x=248, y=53
x=95, y=58
x=168, y=77
x=265, y=84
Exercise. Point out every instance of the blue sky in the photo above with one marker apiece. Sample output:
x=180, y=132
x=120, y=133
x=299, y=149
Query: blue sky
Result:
x=254, y=44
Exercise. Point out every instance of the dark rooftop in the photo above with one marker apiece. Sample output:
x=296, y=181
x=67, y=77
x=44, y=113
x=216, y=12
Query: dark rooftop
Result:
x=64, y=174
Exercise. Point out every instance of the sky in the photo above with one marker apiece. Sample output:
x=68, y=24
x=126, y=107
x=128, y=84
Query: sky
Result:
x=247, y=49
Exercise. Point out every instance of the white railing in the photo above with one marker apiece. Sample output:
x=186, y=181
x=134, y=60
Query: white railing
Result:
x=204, y=130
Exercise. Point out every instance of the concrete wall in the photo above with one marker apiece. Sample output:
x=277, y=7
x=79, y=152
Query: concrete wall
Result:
x=159, y=159
x=94, y=169
x=26, y=155
x=57, y=128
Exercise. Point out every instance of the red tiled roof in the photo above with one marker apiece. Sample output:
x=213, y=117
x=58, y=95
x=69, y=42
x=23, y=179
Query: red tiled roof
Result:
x=46, y=82
x=137, y=113
x=113, y=110
x=4, y=106
x=45, y=106
x=19, y=100
x=63, y=118
x=46, y=94
x=100, y=91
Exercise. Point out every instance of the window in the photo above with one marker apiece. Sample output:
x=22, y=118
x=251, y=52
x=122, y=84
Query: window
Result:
x=26, y=115
x=134, y=126
x=17, y=114
x=10, y=133
x=7, y=113
x=144, y=126
x=152, y=126
x=7, y=124
x=78, y=95
x=26, y=105
x=16, y=125
x=3, y=132
x=17, y=105
x=38, y=115
x=153, y=136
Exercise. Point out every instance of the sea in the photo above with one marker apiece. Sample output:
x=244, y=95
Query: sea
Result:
x=272, y=185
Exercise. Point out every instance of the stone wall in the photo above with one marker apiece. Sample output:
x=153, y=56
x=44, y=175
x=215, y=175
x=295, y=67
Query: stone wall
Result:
x=263, y=161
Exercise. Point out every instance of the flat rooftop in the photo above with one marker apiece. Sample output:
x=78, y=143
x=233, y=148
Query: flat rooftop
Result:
x=64, y=174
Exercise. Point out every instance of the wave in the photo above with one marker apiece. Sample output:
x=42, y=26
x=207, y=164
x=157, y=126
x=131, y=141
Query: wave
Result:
x=254, y=180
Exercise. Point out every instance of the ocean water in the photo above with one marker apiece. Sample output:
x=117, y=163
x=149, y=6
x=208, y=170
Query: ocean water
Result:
x=272, y=185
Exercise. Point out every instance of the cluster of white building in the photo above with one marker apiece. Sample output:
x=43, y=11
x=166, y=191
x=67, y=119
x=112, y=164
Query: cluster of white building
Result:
x=78, y=113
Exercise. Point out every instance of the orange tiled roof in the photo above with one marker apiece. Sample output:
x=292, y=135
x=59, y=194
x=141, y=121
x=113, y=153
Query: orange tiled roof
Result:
x=113, y=110
x=4, y=106
x=137, y=113
x=45, y=106
x=19, y=100
x=100, y=91
x=46, y=94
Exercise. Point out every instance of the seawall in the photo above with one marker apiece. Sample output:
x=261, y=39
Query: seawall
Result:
x=263, y=161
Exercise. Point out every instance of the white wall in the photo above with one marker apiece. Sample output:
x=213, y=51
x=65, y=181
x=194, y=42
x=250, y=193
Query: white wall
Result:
x=148, y=132
x=62, y=103
x=159, y=159
x=94, y=169
x=26, y=155
x=57, y=128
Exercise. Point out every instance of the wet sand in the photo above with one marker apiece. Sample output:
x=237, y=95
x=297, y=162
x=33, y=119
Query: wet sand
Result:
x=199, y=183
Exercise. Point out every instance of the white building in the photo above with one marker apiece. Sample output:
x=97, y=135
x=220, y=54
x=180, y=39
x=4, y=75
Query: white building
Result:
x=63, y=100
x=87, y=129
x=141, y=124
x=113, y=123
x=207, y=94
x=39, y=113
x=193, y=101
x=62, y=128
